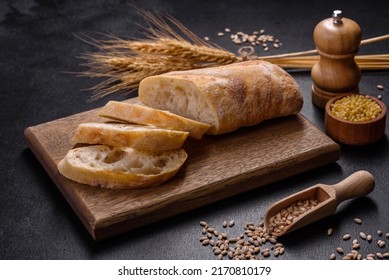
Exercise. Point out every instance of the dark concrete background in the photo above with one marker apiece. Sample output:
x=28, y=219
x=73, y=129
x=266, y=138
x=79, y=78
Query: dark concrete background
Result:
x=38, y=48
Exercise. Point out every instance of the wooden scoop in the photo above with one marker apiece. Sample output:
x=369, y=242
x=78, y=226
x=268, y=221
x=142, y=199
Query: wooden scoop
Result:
x=329, y=197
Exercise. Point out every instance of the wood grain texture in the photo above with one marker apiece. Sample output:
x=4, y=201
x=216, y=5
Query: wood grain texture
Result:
x=217, y=167
x=336, y=72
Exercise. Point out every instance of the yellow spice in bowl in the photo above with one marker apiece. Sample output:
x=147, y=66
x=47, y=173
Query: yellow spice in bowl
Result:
x=356, y=108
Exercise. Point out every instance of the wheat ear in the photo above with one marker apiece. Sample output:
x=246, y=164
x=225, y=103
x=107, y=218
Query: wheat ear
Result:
x=123, y=63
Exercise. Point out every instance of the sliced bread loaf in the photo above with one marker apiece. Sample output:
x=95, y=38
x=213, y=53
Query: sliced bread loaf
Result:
x=120, y=167
x=227, y=97
x=129, y=135
x=135, y=113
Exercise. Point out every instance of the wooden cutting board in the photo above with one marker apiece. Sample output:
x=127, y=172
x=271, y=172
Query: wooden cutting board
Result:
x=217, y=167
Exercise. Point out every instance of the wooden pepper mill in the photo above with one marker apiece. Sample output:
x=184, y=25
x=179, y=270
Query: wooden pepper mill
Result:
x=337, y=41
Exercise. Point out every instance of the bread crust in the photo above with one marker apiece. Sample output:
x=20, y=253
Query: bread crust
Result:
x=130, y=135
x=139, y=114
x=235, y=95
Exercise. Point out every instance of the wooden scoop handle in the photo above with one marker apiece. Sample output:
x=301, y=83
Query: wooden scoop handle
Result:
x=357, y=184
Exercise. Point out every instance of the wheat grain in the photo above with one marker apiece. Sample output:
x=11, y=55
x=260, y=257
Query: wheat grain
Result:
x=184, y=50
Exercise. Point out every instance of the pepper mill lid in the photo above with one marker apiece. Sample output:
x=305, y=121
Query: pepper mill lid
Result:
x=337, y=35
x=337, y=17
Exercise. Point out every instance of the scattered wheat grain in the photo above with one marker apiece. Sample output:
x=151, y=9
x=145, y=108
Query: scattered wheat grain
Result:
x=346, y=236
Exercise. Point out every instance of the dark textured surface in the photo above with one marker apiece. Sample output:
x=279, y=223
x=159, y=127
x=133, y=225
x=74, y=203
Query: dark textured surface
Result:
x=38, y=47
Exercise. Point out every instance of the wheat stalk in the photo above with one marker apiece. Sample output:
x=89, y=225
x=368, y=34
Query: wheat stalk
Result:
x=125, y=73
x=125, y=69
x=123, y=63
x=365, y=62
x=185, y=50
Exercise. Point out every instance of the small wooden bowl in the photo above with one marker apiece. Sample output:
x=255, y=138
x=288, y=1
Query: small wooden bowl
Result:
x=354, y=133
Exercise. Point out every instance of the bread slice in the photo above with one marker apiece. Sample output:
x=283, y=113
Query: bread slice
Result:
x=139, y=114
x=227, y=97
x=129, y=135
x=120, y=167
